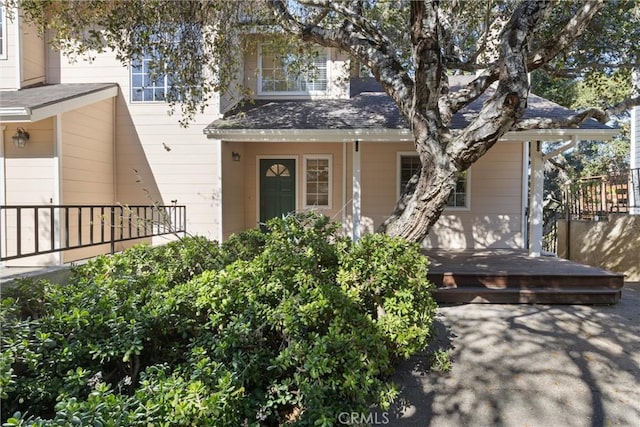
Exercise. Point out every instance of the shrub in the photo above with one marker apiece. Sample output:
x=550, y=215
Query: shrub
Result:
x=291, y=326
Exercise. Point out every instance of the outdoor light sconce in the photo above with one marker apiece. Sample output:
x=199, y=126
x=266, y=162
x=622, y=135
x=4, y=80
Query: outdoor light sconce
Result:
x=235, y=156
x=20, y=138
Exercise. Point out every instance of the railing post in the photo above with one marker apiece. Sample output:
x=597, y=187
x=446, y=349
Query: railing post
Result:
x=113, y=229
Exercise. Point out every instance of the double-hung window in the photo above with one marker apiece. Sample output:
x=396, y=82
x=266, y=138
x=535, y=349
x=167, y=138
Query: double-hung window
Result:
x=291, y=75
x=152, y=71
x=409, y=164
x=145, y=86
x=317, y=186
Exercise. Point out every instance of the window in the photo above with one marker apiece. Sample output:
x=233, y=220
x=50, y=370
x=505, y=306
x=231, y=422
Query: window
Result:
x=154, y=77
x=459, y=198
x=288, y=75
x=3, y=34
x=144, y=87
x=317, y=173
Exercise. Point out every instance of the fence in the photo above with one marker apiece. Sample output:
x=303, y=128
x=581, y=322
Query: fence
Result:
x=595, y=197
x=42, y=229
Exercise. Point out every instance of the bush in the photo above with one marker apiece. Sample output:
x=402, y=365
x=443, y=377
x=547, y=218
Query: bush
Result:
x=291, y=326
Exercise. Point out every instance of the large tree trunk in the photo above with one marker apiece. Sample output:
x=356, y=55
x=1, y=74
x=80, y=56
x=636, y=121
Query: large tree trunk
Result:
x=425, y=196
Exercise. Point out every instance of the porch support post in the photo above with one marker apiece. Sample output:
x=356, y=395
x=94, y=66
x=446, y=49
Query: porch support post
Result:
x=3, y=199
x=356, y=212
x=535, y=204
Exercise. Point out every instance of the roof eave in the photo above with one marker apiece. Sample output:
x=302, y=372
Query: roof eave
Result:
x=391, y=135
x=36, y=113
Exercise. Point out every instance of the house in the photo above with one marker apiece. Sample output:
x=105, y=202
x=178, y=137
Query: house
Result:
x=327, y=141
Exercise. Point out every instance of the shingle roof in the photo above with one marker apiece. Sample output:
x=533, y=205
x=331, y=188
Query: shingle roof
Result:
x=368, y=108
x=41, y=96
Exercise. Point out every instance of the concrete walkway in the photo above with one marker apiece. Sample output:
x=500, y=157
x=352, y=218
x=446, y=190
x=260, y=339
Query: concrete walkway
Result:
x=528, y=365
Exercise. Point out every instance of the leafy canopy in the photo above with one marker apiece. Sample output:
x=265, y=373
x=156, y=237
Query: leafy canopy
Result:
x=197, y=43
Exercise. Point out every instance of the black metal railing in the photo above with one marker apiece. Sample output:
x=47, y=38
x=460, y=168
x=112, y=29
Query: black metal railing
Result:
x=31, y=230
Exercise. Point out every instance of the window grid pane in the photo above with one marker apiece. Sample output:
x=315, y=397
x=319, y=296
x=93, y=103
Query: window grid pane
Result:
x=409, y=165
x=143, y=88
x=276, y=78
x=317, y=176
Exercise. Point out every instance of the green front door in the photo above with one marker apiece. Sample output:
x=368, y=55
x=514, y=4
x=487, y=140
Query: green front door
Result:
x=277, y=188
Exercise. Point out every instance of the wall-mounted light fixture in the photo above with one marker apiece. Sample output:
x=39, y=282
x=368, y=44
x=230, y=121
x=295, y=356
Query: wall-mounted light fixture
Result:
x=235, y=156
x=20, y=138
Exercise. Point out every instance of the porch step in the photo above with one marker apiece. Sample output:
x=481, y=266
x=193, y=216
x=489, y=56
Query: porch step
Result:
x=527, y=296
x=526, y=281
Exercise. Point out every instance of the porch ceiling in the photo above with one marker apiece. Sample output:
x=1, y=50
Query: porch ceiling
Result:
x=39, y=102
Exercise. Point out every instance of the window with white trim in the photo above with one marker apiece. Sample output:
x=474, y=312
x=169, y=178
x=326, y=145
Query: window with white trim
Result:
x=3, y=34
x=317, y=185
x=146, y=87
x=459, y=198
x=289, y=75
x=152, y=71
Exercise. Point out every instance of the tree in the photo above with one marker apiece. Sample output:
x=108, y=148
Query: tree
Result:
x=411, y=47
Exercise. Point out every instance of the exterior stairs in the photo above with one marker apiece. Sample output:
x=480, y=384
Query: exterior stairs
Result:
x=512, y=277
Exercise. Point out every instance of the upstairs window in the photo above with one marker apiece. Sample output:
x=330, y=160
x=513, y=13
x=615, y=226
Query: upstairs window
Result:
x=169, y=53
x=409, y=165
x=290, y=75
x=145, y=87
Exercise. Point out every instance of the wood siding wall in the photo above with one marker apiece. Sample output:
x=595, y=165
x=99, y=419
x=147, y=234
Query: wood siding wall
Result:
x=9, y=66
x=157, y=160
x=87, y=168
x=29, y=180
x=493, y=219
x=33, y=49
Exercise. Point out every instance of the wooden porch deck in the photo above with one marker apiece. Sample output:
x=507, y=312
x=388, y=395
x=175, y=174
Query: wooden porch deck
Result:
x=511, y=276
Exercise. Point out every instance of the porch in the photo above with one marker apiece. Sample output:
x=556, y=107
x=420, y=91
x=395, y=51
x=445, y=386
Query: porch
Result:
x=511, y=276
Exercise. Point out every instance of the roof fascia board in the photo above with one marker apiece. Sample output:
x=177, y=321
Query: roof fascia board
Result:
x=392, y=135
x=39, y=113
x=310, y=135
x=15, y=115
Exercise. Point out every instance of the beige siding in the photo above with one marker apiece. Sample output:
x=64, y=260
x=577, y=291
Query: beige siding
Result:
x=157, y=160
x=33, y=56
x=492, y=220
x=88, y=155
x=249, y=163
x=87, y=171
x=233, y=184
x=494, y=215
x=29, y=180
x=9, y=62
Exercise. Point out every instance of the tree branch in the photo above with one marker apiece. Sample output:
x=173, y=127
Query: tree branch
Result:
x=565, y=38
x=603, y=116
x=380, y=59
x=367, y=27
x=508, y=103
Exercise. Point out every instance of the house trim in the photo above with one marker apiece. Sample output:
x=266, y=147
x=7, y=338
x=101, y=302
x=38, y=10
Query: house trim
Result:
x=3, y=192
x=3, y=44
x=390, y=135
x=43, y=111
x=304, y=183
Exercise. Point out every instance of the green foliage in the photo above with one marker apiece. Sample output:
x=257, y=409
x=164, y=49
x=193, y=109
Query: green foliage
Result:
x=289, y=326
